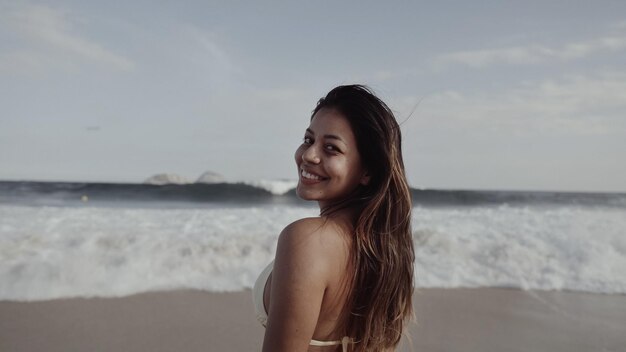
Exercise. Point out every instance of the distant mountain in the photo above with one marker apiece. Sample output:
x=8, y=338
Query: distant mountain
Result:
x=210, y=177
x=167, y=179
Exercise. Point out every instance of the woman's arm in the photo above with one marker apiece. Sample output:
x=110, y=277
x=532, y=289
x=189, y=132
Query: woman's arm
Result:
x=299, y=280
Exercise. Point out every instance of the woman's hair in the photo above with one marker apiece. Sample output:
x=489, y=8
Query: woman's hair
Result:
x=382, y=256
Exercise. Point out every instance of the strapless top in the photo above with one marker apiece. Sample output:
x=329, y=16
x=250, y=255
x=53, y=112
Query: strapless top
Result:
x=261, y=312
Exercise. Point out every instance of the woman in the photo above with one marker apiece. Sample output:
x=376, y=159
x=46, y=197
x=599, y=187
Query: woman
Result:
x=344, y=280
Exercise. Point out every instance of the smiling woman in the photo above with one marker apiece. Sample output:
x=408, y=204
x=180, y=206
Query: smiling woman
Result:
x=344, y=278
x=328, y=160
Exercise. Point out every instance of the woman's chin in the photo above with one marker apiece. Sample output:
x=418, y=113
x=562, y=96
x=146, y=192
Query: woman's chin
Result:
x=304, y=194
x=301, y=194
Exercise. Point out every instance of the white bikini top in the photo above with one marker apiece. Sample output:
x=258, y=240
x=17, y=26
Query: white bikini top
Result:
x=261, y=313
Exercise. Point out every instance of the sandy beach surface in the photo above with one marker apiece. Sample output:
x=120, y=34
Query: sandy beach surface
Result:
x=482, y=320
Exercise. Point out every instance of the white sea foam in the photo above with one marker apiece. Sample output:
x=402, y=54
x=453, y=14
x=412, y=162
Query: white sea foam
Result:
x=277, y=187
x=52, y=252
x=571, y=248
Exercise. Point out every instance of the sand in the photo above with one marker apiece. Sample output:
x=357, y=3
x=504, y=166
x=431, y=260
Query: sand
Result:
x=485, y=319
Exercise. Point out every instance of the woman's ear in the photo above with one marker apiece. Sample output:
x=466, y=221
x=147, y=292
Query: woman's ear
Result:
x=365, y=179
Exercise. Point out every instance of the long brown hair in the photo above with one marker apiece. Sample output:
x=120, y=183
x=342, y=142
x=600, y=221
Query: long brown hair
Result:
x=381, y=291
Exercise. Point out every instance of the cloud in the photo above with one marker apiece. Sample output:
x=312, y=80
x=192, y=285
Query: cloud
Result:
x=532, y=54
x=206, y=52
x=612, y=42
x=572, y=105
x=50, y=31
x=207, y=44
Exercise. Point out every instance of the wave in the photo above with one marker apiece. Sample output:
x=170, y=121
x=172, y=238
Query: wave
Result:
x=195, y=192
x=472, y=198
x=276, y=187
x=54, y=252
x=275, y=191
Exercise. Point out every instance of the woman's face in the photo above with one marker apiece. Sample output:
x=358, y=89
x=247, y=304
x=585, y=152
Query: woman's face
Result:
x=329, y=164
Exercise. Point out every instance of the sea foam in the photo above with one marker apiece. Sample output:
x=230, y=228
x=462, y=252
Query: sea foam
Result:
x=51, y=252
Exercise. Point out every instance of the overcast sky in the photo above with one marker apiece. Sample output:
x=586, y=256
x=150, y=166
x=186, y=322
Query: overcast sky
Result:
x=529, y=95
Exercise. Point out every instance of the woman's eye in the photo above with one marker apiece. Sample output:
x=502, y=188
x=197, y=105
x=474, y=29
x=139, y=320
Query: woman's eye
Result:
x=331, y=148
x=307, y=140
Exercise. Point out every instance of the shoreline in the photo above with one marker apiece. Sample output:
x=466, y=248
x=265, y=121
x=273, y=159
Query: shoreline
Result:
x=460, y=319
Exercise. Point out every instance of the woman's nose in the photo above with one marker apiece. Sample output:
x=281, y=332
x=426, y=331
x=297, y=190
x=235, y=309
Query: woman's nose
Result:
x=311, y=155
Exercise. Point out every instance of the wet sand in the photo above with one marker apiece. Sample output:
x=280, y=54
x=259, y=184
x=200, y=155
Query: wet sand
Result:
x=484, y=319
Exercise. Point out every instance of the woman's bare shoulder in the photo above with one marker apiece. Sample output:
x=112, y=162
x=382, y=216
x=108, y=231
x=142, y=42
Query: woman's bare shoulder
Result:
x=313, y=241
x=318, y=232
x=306, y=225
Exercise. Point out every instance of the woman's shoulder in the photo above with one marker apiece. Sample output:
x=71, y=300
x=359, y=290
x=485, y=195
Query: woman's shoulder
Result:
x=314, y=237
x=323, y=229
x=310, y=224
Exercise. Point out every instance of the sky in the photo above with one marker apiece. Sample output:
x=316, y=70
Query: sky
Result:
x=524, y=95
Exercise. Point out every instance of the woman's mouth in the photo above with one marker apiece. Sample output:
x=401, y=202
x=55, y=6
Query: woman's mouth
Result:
x=310, y=177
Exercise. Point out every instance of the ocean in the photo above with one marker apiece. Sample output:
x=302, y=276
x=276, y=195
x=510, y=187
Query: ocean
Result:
x=62, y=240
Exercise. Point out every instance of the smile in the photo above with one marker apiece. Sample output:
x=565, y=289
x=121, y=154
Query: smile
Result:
x=310, y=176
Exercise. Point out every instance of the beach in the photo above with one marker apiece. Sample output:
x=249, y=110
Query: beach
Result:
x=480, y=319
x=141, y=268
